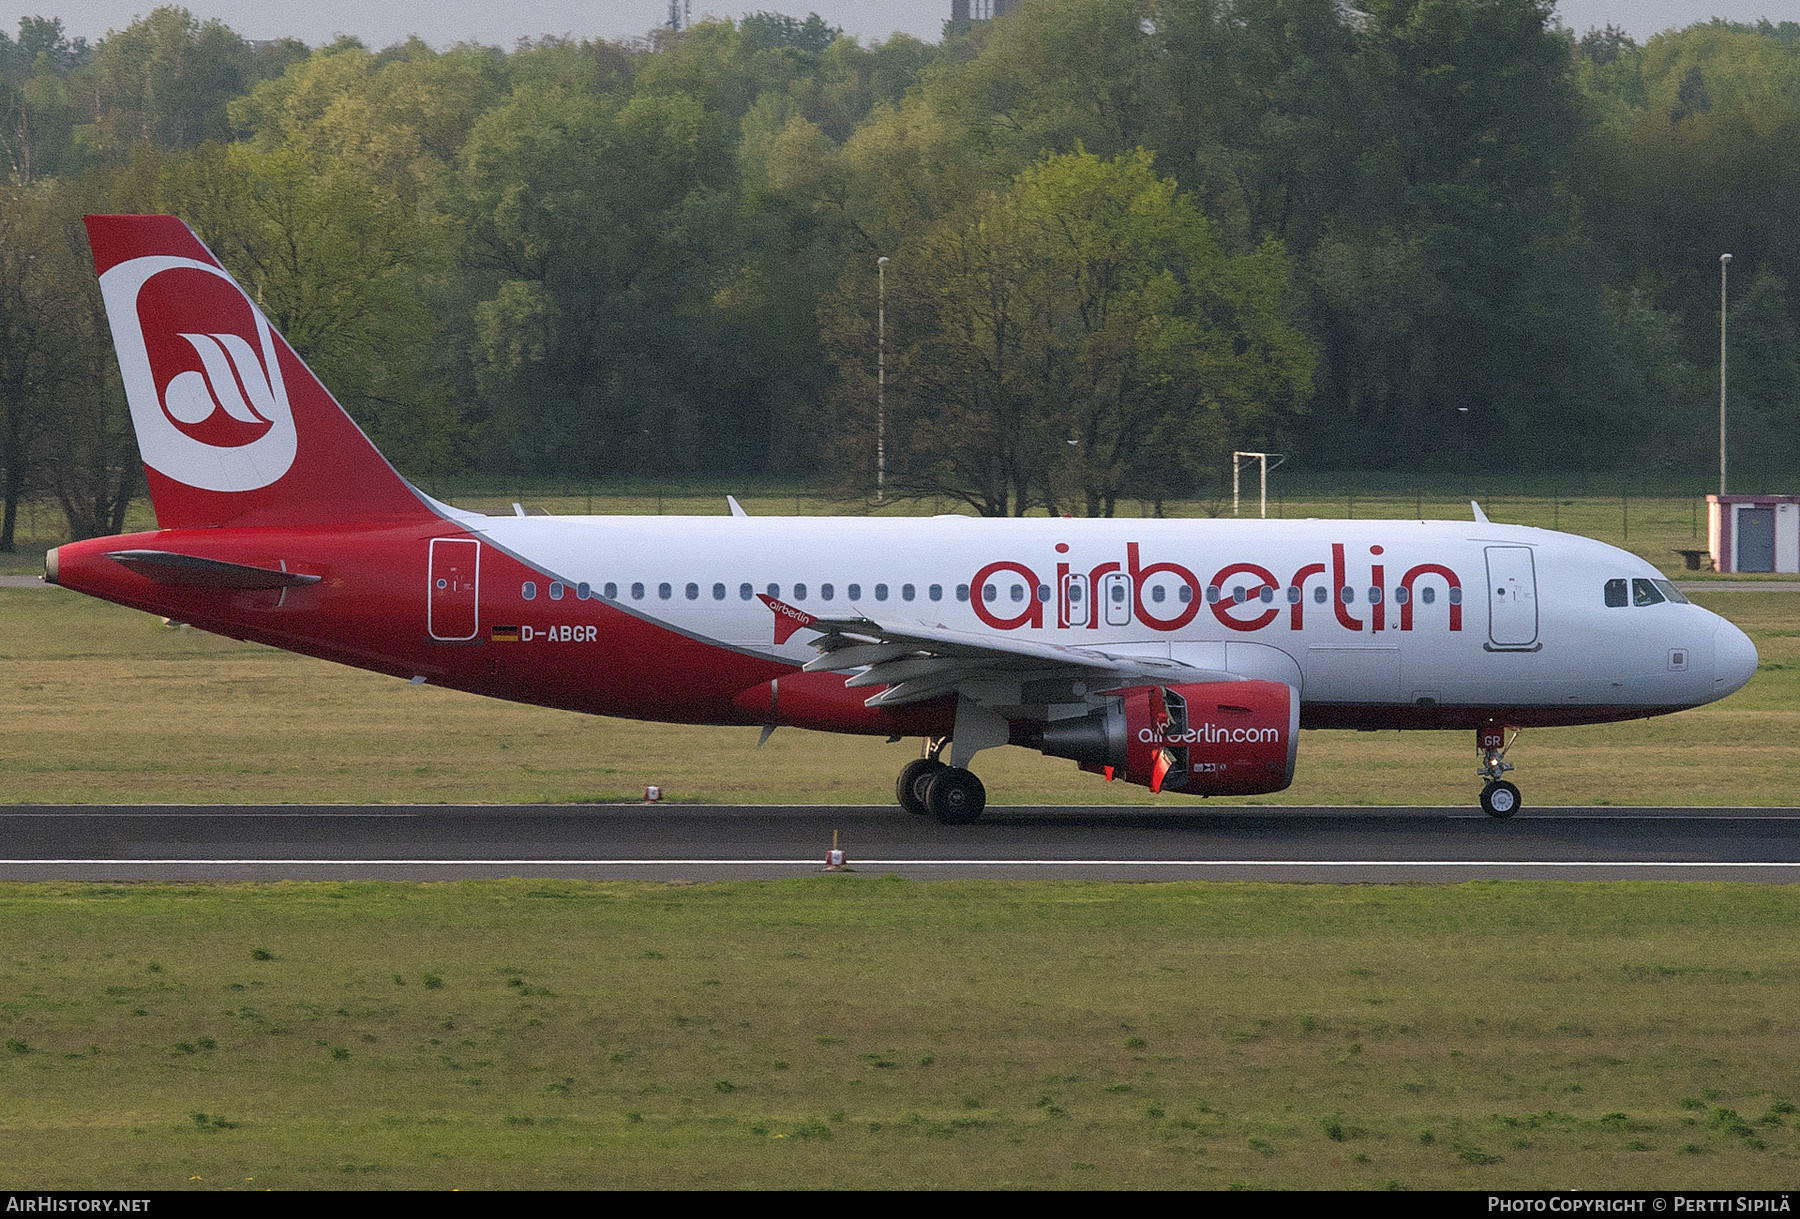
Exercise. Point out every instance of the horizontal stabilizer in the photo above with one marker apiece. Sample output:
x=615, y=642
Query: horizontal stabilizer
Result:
x=168, y=568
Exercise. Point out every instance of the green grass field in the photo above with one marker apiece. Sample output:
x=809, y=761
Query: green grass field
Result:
x=856, y=1031
x=867, y=1032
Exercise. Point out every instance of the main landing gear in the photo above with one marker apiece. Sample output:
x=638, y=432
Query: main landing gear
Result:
x=1499, y=798
x=929, y=788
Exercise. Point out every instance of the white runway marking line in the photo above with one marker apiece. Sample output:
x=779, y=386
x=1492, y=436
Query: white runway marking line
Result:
x=235, y=816
x=1541, y=814
x=912, y=863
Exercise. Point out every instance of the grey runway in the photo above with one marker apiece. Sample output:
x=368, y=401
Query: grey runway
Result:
x=716, y=842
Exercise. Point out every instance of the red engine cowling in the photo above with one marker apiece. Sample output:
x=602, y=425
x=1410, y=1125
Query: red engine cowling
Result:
x=1235, y=738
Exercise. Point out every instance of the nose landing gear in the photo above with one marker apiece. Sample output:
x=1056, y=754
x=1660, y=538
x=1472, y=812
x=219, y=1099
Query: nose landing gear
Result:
x=927, y=787
x=1499, y=798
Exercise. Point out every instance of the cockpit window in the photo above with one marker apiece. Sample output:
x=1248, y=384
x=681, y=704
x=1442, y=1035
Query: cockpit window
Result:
x=1616, y=595
x=1670, y=591
x=1643, y=592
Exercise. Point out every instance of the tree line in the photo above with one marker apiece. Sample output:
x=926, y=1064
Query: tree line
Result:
x=1121, y=238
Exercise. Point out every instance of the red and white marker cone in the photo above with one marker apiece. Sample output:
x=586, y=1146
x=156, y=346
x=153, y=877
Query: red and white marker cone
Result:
x=834, y=858
x=652, y=794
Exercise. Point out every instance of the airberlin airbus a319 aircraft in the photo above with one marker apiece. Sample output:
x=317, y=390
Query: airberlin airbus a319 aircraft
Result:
x=1181, y=655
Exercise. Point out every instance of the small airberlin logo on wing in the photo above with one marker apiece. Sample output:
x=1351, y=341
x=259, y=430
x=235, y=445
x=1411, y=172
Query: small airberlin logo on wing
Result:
x=201, y=374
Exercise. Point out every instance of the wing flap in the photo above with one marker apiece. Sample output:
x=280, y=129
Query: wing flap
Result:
x=854, y=656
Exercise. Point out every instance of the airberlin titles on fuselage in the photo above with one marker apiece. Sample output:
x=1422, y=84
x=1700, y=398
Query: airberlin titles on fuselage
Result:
x=1241, y=595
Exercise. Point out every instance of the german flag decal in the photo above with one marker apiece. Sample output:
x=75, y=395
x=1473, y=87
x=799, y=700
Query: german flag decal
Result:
x=505, y=634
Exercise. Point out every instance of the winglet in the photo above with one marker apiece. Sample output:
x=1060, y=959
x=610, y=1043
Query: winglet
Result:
x=737, y=509
x=1480, y=516
x=787, y=618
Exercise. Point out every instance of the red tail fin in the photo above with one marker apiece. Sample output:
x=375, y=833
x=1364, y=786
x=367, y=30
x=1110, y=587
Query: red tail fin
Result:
x=233, y=428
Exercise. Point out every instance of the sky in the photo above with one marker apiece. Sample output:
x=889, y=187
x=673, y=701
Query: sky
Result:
x=382, y=22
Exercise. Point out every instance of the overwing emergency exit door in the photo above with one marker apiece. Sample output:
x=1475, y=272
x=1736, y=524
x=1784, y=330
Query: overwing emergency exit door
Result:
x=453, y=602
x=1115, y=589
x=1075, y=600
x=1512, y=598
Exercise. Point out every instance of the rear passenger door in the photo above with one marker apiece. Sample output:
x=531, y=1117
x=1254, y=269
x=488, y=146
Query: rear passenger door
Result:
x=452, y=606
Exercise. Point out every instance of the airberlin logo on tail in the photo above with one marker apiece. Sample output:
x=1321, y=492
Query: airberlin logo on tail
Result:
x=196, y=400
x=201, y=374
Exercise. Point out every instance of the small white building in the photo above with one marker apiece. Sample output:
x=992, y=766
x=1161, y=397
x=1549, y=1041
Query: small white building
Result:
x=1754, y=532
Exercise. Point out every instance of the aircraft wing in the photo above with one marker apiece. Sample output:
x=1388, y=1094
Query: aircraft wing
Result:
x=917, y=661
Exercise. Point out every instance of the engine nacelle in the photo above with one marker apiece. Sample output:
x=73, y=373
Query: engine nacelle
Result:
x=1225, y=738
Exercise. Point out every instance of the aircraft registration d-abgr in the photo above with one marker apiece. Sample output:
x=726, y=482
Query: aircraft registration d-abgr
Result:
x=1183, y=655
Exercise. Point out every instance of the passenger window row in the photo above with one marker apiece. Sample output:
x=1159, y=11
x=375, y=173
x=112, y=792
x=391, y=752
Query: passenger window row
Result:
x=1266, y=594
x=1615, y=592
x=1639, y=591
x=666, y=591
x=1320, y=594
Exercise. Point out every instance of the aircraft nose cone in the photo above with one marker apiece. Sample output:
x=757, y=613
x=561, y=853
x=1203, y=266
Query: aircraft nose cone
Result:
x=1734, y=659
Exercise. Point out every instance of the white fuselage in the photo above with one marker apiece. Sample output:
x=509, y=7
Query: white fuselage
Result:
x=1368, y=614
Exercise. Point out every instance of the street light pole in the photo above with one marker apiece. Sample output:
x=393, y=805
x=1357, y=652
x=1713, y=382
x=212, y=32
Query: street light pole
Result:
x=881, y=377
x=1724, y=263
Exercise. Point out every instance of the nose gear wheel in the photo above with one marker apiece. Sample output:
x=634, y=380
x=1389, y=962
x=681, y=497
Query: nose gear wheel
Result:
x=1499, y=798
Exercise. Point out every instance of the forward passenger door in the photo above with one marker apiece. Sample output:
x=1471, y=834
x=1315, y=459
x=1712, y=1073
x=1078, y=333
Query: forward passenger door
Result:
x=1512, y=599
